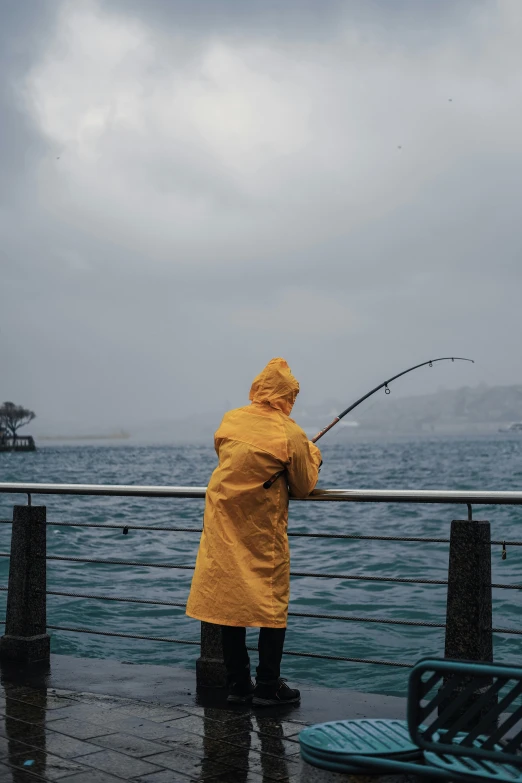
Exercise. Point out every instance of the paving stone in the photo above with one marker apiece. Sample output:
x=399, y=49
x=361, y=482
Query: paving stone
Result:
x=187, y=764
x=263, y=743
x=228, y=776
x=154, y=712
x=271, y=767
x=78, y=728
x=132, y=746
x=196, y=745
x=118, y=764
x=240, y=776
x=102, y=700
x=311, y=774
x=74, y=695
x=15, y=775
x=14, y=729
x=61, y=745
x=37, y=698
x=165, y=776
x=48, y=766
x=91, y=776
x=20, y=710
x=216, y=713
x=211, y=728
x=276, y=728
x=88, y=707
x=21, y=692
x=114, y=721
x=130, y=724
x=79, y=711
x=12, y=747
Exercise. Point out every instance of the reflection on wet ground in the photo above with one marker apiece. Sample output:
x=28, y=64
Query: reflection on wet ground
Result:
x=58, y=722
x=51, y=734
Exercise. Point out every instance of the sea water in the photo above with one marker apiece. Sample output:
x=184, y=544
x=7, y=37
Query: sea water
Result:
x=488, y=463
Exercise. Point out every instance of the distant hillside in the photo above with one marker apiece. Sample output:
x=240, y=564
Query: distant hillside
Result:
x=468, y=410
x=479, y=409
x=462, y=411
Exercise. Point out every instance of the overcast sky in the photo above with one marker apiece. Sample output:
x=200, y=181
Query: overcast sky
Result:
x=191, y=187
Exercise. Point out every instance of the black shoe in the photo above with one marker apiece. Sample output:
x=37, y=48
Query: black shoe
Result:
x=240, y=692
x=275, y=692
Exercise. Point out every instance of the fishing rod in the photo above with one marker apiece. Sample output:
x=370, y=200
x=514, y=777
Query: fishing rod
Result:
x=387, y=390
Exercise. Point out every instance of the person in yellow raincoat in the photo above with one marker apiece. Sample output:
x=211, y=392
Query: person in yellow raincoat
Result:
x=242, y=573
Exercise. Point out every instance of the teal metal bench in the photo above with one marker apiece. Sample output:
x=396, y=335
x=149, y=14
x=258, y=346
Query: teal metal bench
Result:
x=456, y=730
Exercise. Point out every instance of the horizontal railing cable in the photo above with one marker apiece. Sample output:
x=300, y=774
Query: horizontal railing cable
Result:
x=178, y=604
x=118, y=598
x=311, y=615
x=341, y=536
x=393, y=538
x=114, y=526
x=318, y=656
x=319, y=575
x=365, y=619
x=137, y=563
x=134, y=563
x=123, y=635
x=186, y=641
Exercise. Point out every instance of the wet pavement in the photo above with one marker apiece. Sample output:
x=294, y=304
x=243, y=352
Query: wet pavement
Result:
x=80, y=734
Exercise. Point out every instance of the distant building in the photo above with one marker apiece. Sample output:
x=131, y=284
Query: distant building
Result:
x=23, y=443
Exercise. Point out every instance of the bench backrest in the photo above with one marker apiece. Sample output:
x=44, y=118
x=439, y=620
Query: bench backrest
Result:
x=459, y=707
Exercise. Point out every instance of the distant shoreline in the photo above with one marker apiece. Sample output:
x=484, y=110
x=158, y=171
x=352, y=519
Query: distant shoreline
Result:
x=120, y=435
x=326, y=444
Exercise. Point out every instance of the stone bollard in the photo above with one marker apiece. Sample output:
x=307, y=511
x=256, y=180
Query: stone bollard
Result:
x=210, y=668
x=469, y=609
x=469, y=612
x=25, y=637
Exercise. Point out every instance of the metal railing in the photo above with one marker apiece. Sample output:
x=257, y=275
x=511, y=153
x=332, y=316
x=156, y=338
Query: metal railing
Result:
x=456, y=497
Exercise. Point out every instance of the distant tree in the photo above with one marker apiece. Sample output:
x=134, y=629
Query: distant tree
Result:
x=12, y=417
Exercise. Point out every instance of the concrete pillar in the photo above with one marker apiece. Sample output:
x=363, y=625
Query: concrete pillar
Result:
x=469, y=608
x=210, y=668
x=25, y=637
x=469, y=612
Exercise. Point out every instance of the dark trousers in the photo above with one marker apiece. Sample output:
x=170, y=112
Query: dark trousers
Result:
x=235, y=653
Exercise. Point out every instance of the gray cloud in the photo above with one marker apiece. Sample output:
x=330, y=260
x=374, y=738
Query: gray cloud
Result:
x=297, y=19
x=192, y=188
x=21, y=30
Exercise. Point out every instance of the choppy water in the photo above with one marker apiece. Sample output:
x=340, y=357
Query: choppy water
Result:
x=486, y=463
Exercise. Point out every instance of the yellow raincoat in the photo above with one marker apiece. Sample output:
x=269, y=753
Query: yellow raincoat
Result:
x=242, y=574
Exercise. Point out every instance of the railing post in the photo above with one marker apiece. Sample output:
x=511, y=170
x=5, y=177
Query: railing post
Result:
x=469, y=611
x=210, y=668
x=469, y=615
x=25, y=637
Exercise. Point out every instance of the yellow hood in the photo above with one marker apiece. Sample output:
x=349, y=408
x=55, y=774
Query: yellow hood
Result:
x=275, y=386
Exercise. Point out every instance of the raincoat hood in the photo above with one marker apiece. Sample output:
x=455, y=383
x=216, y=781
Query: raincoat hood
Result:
x=275, y=386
